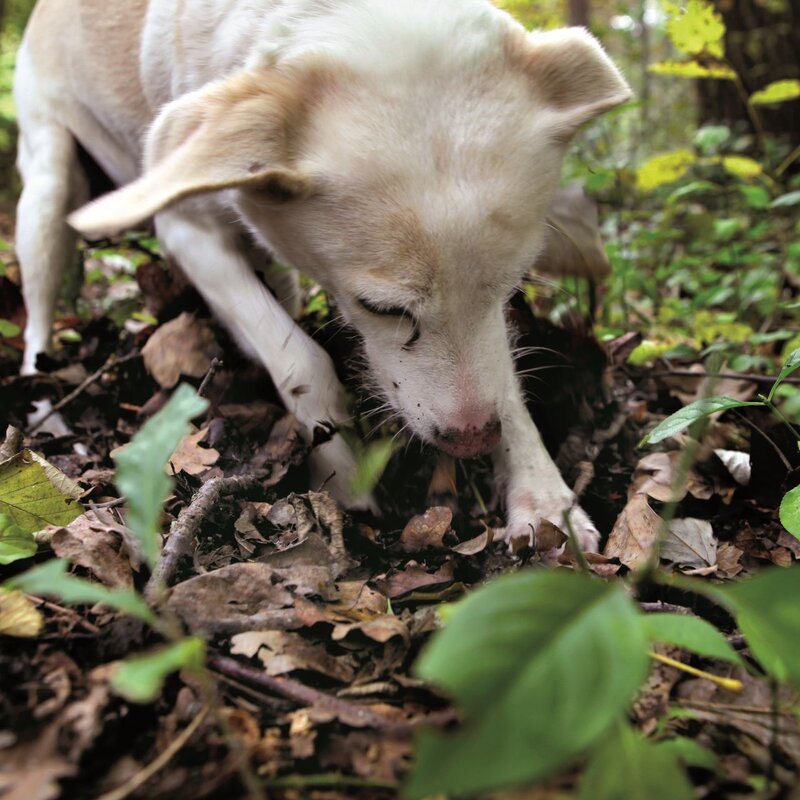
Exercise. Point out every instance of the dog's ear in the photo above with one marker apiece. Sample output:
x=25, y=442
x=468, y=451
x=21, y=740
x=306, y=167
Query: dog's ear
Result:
x=233, y=133
x=571, y=74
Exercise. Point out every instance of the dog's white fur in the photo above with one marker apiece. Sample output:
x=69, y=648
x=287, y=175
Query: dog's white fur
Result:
x=400, y=152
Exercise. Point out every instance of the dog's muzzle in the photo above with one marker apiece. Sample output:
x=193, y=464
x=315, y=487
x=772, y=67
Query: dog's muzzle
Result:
x=470, y=441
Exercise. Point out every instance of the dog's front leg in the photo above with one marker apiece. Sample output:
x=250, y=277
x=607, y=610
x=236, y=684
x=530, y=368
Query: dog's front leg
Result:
x=534, y=488
x=209, y=252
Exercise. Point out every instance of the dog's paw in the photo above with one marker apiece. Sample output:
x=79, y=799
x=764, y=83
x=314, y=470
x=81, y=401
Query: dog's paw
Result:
x=524, y=522
x=333, y=469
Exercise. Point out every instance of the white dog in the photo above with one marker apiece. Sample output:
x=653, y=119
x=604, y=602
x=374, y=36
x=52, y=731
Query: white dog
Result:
x=403, y=153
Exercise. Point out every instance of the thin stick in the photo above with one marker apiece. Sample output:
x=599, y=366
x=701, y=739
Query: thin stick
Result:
x=731, y=684
x=144, y=775
x=184, y=528
x=740, y=376
x=112, y=361
x=351, y=713
x=216, y=363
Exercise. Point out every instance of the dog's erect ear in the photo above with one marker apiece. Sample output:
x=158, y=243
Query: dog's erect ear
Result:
x=571, y=73
x=233, y=133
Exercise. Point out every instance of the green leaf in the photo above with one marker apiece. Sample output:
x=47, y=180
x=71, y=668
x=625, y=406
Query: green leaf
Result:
x=14, y=542
x=766, y=612
x=777, y=92
x=789, y=366
x=541, y=663
x=52, y=580
x=689, y=752
x=755, y=196
x=32, y=493
x=693, y=69
x=141, y=678
x=690, y=633
x=141, y=475
x=786, y=200
x=710, y=137
x=625, y=766
x=371, y=461
x=9, y=330
x=742, y=167
x=682, y=419
x=790, y=511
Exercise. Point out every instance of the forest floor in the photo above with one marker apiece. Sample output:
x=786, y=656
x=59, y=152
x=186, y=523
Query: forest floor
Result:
x=314, y=616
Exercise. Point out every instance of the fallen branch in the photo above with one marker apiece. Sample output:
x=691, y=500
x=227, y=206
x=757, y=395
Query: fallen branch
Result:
x=738, y=376
x=350, y=713
x=112, y=361
x=183, y=529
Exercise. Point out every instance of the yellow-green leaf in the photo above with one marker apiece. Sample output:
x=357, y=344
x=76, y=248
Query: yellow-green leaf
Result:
x=692, y=69
x=664, y=169
x=777, y=92
x=33, y=496
x=697, y=28
x=18, y=615
x=742, y=167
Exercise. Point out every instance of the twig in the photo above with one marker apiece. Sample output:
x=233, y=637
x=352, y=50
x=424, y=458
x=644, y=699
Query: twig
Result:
x=184, y=528
x=144, y=775
x=330, y=780
x=216, y=363
x=112, y=361
x=731, y=684
x=350, y=713
x=661, y=607
x=739, y=376
x=12, y=444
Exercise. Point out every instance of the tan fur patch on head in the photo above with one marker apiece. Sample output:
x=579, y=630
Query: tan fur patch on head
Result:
x=412, y=258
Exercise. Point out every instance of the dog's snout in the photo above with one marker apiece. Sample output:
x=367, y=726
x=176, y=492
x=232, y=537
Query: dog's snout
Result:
x=469, y=440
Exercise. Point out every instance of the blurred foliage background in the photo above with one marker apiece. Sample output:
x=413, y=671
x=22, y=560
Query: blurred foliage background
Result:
x=698, y=179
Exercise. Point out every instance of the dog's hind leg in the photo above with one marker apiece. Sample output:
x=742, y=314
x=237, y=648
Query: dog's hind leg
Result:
x=54, y=185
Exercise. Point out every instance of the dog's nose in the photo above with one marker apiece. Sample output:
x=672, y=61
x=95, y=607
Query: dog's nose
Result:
x=469, y=441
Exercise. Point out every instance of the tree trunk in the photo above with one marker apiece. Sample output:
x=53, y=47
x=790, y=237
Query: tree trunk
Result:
x=762, y=44
x=578, y=12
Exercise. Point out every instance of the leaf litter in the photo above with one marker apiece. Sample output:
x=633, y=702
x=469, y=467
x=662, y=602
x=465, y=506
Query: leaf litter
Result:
x=314, y=616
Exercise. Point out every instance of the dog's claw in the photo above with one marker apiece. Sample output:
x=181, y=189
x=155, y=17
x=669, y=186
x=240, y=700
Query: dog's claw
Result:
x=521, y=529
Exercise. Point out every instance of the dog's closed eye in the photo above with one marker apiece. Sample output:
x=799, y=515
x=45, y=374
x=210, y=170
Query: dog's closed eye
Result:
x=393, y=311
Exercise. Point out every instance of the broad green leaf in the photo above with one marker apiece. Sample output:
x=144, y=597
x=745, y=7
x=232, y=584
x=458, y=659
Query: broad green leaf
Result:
x=691, y=189
x=790, y=511
x=625, y=766
x=693, y=69
x=755, y=196
x=51, y=579
x=696, y=28
x=664, y=169
x=742, y=167
x=14, y=542
x=777, y=92
x=371, y=461
x=8, y=329
x=141, y=475
x=29, y=497
x=710, y=137
x=141, y=678
x=789, y=366
x=786, y=200
x=18, y=615
x=541, y=663
x=690, y=633
x=766, y=612
x=682, y=419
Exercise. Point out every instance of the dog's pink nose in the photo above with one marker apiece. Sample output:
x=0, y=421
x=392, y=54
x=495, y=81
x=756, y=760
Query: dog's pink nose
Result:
x=470, y=440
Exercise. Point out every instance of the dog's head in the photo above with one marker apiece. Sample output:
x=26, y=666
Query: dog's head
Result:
x=417, y=195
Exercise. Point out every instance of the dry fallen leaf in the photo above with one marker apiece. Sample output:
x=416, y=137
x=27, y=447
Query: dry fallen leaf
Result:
x=183, y=346
x=89, y=543
x=690, y=543
x=426, y=530
x=190, y=457
x=634, y=533
x=655, y=475
x=19, y=616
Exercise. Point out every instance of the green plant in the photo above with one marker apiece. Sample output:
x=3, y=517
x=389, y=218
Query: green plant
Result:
x=789, y=511
x=142, y=478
